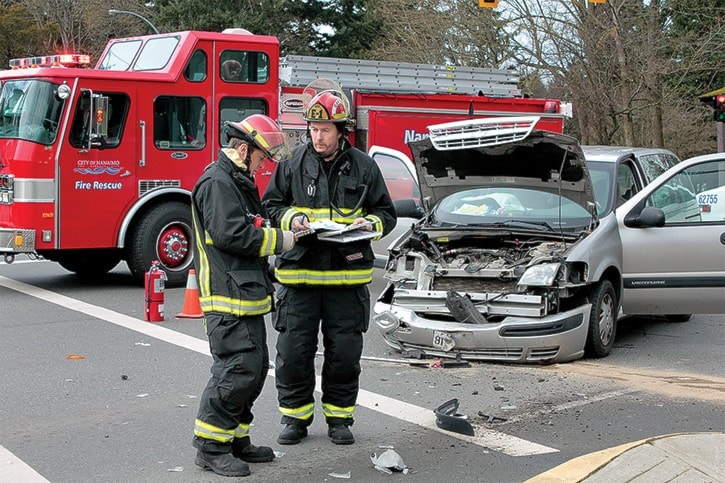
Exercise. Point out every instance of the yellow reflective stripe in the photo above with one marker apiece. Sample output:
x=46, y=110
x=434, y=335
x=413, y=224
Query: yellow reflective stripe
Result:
x=285, y=222
x=242, y=431
x=320, y=277
x=204, y=271
x=253, y=132
x=316, y=214
x=207, y=431
x=377, y=225
x=268, y=242
x=228, y=305
x=207, y=238
x=332, y=411
x=303, y=412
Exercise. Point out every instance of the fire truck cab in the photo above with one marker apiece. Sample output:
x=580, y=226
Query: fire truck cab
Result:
x=97, y=165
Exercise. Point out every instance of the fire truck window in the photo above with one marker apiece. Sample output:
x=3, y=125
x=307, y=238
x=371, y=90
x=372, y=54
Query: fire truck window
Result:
x=234, y=109
x=156, y=53
x=196, y=68
x=243, y=66
x=117, y=114
x=179, y=122
x=120, y=55
x=30, y=111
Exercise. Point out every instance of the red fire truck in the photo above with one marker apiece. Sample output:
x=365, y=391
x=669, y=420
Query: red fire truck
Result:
x=97, y=164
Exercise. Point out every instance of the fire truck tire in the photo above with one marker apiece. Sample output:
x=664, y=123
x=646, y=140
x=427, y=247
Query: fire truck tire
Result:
x=164, y=234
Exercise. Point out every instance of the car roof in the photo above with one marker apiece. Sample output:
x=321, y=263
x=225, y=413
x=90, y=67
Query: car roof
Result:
x=614, y=153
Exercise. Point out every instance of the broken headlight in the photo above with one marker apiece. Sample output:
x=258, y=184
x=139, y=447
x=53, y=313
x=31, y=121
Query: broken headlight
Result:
x=541, y=275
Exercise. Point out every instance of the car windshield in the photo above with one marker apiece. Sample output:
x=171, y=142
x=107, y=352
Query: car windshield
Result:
x=30, y=110
x=512, y=208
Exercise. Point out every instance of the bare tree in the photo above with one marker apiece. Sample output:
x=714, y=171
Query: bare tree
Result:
x=441, y=32
x=622, y=66
x=83, y=25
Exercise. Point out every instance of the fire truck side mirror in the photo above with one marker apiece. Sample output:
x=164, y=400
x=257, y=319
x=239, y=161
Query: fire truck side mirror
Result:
x=100, y=115
x=96, y=131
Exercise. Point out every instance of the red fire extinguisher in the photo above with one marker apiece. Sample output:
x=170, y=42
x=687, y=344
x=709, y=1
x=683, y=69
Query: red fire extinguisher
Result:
x=154, y=293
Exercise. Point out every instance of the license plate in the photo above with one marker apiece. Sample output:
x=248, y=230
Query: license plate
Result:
x=442, y=340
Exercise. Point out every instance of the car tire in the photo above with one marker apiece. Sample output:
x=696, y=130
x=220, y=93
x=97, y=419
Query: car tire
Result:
x=678, y=318
x=602, y=320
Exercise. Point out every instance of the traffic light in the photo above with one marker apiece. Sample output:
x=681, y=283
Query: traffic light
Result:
x=719, y=107
x=488, y=3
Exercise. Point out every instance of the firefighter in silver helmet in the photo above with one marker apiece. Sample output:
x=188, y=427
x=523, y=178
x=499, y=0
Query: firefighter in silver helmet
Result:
x=324, y=284
x=231, y=244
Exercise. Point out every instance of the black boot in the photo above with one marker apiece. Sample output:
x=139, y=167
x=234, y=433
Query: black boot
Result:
x=243, y=448
x=292, y=434
x=224, y=464
x=340, y=434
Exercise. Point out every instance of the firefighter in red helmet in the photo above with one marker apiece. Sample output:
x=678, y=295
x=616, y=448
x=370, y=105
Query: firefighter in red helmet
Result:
x=324, y=284
x=231, y=246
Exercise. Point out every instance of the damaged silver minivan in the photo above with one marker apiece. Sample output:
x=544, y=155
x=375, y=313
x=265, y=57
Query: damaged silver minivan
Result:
x=516, y=260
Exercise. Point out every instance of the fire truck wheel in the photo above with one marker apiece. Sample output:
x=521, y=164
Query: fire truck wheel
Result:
x=163, y=234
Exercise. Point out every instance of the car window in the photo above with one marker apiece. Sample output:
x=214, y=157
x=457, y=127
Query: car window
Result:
x=694, y=195
x=602, y=184
x=400, y=182
x=709, y=181
x=656, y=164
x=627, y=184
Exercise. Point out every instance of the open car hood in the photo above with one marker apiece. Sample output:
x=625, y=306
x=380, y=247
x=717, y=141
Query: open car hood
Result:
x=468, y=156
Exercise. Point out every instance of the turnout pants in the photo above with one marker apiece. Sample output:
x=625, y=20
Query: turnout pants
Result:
x=238, y=373
x=342, y=313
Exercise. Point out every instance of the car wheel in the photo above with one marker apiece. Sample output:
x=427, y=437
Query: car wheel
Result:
x=163, y=234
x=602, y=320
x=678, y=317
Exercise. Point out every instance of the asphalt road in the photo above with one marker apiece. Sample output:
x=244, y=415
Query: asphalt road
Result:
x=91, y=393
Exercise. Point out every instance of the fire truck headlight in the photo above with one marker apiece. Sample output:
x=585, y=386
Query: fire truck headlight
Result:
x=63, y=91
x=47, y=236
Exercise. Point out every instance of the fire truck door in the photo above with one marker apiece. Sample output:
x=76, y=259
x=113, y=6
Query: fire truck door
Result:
x=96, y=172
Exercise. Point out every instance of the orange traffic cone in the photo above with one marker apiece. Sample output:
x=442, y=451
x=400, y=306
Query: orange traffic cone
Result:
x=192, y=307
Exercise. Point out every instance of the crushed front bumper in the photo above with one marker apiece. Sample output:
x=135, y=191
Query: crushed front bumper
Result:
x=553, y=338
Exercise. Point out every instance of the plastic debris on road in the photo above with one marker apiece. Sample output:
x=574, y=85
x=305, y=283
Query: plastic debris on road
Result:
x=388, y=461
x=340, y=475
x=447, y=418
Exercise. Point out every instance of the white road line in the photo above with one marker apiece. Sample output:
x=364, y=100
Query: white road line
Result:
x=14, y=469
x=424, y=417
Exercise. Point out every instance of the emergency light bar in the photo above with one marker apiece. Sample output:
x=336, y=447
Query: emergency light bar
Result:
x=60, y=60
x=476, y=133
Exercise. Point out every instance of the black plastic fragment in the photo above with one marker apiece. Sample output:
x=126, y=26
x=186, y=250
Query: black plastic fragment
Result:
x=447, y=418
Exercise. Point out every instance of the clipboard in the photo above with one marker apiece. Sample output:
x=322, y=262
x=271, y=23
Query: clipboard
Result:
x=331, y=231
x=348, y=236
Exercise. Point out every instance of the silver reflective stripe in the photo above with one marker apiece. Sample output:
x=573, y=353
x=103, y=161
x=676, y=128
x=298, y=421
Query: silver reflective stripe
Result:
x=34, y=190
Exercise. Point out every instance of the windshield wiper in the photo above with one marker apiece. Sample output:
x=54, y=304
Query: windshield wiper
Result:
x=525, y=224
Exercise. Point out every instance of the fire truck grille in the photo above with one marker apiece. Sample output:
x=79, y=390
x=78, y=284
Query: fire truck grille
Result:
x=146, y=185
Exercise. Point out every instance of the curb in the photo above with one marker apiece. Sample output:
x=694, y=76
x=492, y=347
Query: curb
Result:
x=582, y=467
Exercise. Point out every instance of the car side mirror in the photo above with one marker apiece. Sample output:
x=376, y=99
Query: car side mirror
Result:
x=647, y=218
x=408, y=208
